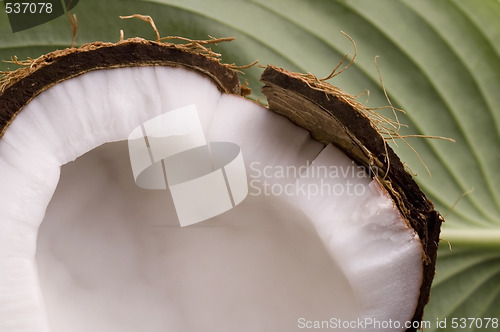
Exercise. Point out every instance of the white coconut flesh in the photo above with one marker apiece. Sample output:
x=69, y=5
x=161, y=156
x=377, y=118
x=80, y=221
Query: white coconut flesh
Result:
x=83, y=248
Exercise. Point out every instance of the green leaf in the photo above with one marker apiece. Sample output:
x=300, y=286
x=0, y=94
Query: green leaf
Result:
x=439, y=60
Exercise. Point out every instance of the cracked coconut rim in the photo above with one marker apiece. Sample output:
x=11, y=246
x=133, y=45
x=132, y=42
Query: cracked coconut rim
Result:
x=109, y=254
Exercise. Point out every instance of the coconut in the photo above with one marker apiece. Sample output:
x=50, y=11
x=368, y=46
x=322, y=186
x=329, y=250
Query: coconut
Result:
x=332, y=233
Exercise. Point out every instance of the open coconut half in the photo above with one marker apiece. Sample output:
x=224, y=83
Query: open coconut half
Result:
x=329, y=235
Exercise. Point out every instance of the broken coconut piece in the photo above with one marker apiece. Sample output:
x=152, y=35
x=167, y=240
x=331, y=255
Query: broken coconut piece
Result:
x=83, y=248
x=334, y=117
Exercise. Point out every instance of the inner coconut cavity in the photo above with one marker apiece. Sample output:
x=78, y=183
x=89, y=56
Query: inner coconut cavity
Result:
x=85, y=249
